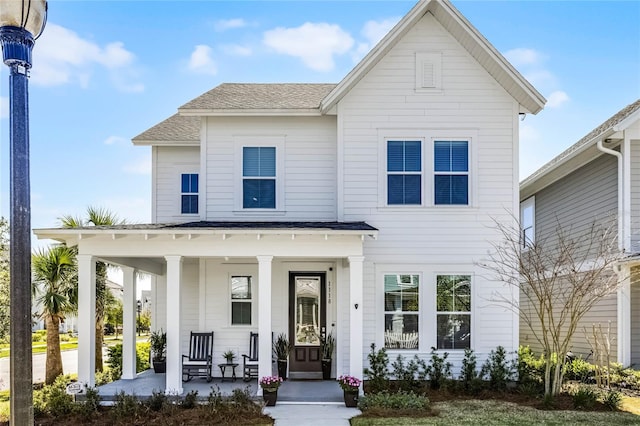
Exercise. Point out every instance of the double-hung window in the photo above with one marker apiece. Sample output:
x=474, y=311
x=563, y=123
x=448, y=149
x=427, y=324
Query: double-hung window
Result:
x=451, y=172
x=259, y=177
x=401, y=311
x=453, y=317
x=527, y=222
x=241, y=300
x=189, y=193
x=404, y=172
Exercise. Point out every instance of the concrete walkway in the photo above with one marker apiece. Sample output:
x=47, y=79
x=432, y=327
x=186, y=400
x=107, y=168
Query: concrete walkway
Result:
x=321, y=414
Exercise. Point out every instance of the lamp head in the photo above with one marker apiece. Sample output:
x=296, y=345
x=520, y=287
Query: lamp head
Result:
x=21, y=22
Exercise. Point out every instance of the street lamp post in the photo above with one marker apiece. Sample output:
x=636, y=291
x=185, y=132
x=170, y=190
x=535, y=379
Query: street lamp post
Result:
x=138, y=322
x=21, y=22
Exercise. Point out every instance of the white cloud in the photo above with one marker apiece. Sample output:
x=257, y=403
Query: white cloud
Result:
x=62, y=57
x=523, y=56
x=228, y=24
x=314, y=43
x=139, y=167
x=236, y=50
x=4, y=107
x=201, y=61
x=112, y=140
x=557, y=98
x=373, y=32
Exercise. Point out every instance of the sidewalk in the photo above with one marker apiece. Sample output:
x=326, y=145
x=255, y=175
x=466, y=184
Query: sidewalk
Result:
x=302, y=414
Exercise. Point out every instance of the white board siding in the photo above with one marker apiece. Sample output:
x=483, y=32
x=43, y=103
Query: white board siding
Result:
x=309, y=163
x=442, y=238
x=635, y=196
x=170, y=163
x=635, y=317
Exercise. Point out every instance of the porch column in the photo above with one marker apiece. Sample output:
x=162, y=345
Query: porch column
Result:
x=355, y=315
x=173, y=380
x=624, y=316
x=264, y=317
x=129, y=308
x=86, y=319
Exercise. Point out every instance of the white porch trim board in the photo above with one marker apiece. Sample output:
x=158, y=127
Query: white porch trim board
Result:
x=129, y=310
x=356, y=264
x=624, y=315
x=264, y=317
x=173, y=384
x=87, y=322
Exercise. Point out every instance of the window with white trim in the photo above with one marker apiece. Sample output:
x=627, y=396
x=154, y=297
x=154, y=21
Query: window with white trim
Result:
x=259, y=177
x=401, y=311
x=451, y=172
x=527, y=222
x=404, y=172
x=453, y=316
x=189, y=193
x=241, y=300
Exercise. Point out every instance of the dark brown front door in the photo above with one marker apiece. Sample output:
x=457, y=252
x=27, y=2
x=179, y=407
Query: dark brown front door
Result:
x=307, y=303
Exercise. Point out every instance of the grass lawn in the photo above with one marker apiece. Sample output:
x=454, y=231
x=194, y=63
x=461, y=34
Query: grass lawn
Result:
x=489, y=413
x=4, y=406
x=41, y=347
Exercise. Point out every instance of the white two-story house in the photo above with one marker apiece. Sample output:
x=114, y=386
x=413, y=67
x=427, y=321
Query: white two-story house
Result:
x=359, y=208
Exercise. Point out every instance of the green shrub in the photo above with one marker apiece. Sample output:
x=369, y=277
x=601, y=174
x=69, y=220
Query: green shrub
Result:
x=64, y=337
x=53, y=399
x=89, y=406
x=190, y=400
x=498, y=369
x=377, y=374
x=411, y=375
x=125, y=406
x=157, y=401
x=39, y=336
x=579, y=369
x=584, y=398
x=114, y=359
x=612, y=400
x=439, y=370
x=394, y=401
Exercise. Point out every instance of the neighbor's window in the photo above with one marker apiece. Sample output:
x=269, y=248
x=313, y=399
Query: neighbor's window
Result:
x=404, y=172
x=189, y=191
x=453, y=305
x=451, y=172
x=241, y=300
x=401, y=311
x=527, y=222
x=258, y=177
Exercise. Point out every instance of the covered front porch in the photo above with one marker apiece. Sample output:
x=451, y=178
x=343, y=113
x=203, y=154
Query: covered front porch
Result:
x=145, y=383
x=192, y=266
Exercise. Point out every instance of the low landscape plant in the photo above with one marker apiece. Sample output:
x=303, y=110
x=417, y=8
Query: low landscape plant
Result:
x=377, y=374
x=394, y=401
x=584, y=397
x=498, y=369
x=349, y=383
x=439, y=370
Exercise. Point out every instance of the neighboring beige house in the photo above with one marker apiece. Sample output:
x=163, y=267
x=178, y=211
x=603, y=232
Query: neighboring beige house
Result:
x=344, y=208
x=597, y=177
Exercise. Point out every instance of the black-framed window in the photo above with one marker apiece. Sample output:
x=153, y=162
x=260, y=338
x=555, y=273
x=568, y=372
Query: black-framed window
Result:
x=241, y=300
x=453, y=306
x=189, y=193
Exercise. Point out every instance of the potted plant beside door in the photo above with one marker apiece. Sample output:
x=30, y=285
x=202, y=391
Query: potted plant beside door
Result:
x=327, y=345
x=281, y=350
x=351, y=387
x=158, y=340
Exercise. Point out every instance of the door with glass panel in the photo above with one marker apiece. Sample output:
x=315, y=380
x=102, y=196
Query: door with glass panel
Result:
x=307, y=301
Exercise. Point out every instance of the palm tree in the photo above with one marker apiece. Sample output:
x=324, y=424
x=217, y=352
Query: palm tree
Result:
x=55, y=290
x=96, y=217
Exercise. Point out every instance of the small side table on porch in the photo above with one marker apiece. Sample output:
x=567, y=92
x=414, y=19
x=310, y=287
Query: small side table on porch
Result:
x=223, y=369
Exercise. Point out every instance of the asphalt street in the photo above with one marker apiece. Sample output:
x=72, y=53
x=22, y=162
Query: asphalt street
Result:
x=69, y=366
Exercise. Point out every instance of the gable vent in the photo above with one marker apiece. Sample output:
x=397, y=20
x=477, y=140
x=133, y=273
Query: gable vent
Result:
x=428, y=75
x=428, y=71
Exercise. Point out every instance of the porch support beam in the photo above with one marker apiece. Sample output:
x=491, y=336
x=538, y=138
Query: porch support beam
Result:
x=86, y=319
x=173, y=380
x=356, y=267
x=129, y=308
x=264, y=317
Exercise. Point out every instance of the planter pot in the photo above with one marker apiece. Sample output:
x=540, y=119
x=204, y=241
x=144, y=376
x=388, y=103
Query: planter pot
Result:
x=326, y=369
x=282, y=369
x=351, y=398
x=269, y=397
x=160, y=366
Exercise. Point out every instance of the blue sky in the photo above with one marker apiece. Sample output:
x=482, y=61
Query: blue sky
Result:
x=105, y=71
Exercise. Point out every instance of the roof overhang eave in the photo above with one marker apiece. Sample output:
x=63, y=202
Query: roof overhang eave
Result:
x=305, y=112
x=152, y=142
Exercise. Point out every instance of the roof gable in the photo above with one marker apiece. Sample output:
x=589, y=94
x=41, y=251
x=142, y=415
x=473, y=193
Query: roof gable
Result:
x=175, y=129
x=469, y=37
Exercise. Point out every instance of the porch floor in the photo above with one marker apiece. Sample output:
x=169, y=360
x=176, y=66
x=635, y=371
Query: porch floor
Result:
x=310, y=391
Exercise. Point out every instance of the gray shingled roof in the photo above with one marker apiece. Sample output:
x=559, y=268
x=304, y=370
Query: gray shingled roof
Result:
x=261, y=96
x=590, y=138
x=176, y=128
x=328, y=226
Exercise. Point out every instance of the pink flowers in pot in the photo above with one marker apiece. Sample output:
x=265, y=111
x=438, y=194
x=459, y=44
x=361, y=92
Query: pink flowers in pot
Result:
x=270, y=383
x=349, y=383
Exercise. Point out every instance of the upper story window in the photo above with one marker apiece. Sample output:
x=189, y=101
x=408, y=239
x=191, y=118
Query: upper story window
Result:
x=189, y=193
x=259, y=177
x=527, y=222
x=404, y=172
x=453, y=305
x=451, y=172
x=241, y=300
